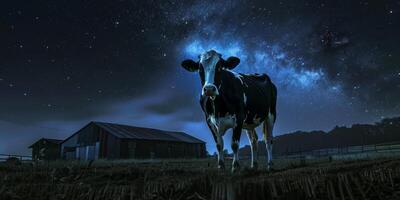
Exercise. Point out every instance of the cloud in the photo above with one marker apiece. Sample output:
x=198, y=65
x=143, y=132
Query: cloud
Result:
x=136, y=64
x=17, y=137
x=288, y=46
x=271, y=59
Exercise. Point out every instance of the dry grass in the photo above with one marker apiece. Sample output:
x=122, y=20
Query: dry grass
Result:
x=198, y=179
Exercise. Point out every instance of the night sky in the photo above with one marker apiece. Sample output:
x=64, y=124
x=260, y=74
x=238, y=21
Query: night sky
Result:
x=64, y=63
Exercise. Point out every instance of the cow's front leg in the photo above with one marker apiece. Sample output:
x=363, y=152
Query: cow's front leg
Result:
x=237, y=131
x=220, y=149
x=219, y=141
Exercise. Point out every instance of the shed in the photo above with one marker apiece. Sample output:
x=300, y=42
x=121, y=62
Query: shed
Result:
x=99, y=140
x=46, y=149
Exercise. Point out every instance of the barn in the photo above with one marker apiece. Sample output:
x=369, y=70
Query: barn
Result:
x=99, y=140
x=46, y=149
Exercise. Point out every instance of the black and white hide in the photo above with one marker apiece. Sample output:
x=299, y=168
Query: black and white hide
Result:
x=237, y=101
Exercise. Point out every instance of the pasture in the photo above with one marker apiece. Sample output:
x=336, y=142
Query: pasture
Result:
x=318, y=178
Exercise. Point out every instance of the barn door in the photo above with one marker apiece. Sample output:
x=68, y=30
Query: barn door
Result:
x=82, y=153
x=92, y=151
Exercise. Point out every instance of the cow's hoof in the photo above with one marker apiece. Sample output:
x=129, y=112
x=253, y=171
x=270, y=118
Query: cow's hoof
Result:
x=271, y=163
x=270, y=166
x=254, y=165
x=235, y=166
x=221, y=165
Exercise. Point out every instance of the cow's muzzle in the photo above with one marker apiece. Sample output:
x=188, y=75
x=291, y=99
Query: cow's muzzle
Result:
x=210, y=90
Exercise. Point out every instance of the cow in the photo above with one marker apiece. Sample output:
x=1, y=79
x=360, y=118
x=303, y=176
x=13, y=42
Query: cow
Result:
x=234, y=100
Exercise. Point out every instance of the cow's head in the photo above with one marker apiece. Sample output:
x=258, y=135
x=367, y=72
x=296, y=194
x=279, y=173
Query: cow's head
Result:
x=209, y=67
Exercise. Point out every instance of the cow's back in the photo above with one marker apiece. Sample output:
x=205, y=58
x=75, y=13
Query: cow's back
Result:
x=260, y=94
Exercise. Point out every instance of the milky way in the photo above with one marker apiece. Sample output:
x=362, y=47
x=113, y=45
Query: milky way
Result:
x=66, y=63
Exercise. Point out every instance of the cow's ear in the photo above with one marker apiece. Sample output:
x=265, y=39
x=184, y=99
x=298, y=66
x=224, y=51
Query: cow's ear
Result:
x=231, y=62
x=190, y=65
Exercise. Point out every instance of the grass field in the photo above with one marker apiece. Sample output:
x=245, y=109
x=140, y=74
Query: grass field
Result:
x=322, y=178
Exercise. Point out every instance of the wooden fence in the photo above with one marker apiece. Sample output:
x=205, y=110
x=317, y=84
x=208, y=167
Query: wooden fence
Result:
x=348, y=150
x=4, y=157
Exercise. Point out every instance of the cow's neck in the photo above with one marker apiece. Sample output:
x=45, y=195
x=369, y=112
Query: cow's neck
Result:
x=215, y=107
x=224, y=103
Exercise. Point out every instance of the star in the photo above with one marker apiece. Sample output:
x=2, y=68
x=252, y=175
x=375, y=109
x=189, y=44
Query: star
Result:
x=142, y=58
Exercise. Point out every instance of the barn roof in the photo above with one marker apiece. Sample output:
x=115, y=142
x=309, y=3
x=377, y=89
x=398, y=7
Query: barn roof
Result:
x=54, y=141
x=141, y=133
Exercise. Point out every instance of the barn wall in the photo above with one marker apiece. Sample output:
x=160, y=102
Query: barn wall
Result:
x=113, y=147
x=203, y=150
x=93, y=142
x=103, y=143
x=35, y=152
x=127, y=148
x=88, y=142
x=71, y=142
x=141, y=149
x=68, y=146
x=88, y=136
x=52, y=151
x=83, y=145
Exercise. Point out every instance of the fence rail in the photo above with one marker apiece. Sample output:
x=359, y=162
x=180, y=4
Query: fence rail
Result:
x=348, y=150
x=4, y=157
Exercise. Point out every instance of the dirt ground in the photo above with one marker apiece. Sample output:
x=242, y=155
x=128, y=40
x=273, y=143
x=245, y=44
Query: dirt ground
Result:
x=199, y=179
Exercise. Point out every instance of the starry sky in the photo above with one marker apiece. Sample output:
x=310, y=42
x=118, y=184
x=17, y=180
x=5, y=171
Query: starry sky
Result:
x=64, y=63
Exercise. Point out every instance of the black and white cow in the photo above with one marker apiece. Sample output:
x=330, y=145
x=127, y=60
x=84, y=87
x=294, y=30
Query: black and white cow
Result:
x=238, y=101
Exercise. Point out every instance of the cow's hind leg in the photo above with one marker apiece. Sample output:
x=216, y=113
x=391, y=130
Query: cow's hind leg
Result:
x=235, y=147
x=253, y=140
x=268, y=137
